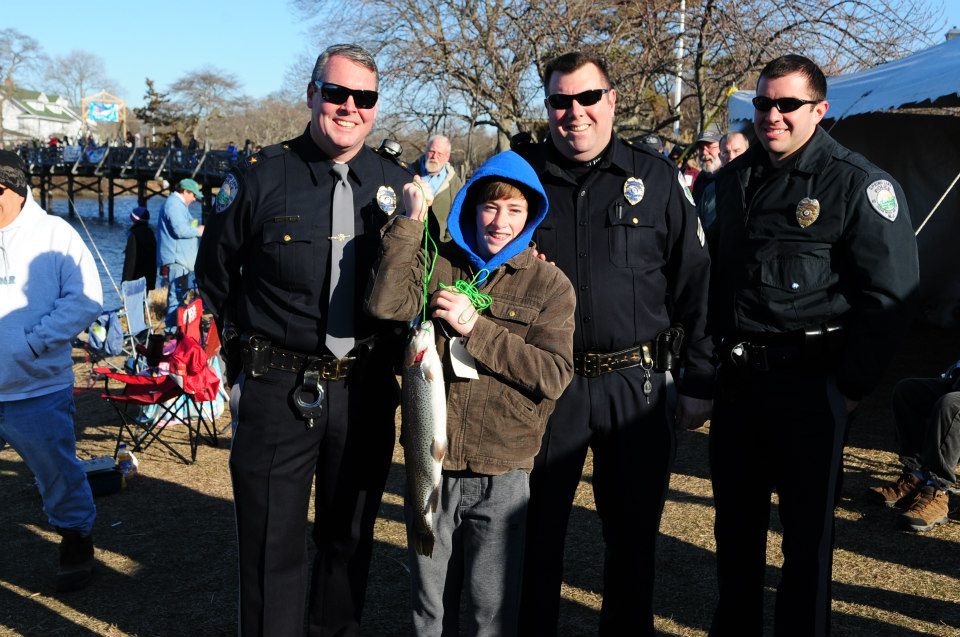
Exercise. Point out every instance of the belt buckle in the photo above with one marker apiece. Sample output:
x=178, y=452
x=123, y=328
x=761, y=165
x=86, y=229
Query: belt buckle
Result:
x=591, y=364
x=330, y=369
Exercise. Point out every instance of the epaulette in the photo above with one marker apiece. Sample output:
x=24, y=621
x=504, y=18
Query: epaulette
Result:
x=643, y=148
x=267, y=152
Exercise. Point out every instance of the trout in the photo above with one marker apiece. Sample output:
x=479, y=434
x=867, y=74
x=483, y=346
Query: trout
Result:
x=424, y=425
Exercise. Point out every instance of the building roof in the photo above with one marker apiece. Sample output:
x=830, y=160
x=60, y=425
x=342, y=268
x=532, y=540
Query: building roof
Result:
x=39, y=104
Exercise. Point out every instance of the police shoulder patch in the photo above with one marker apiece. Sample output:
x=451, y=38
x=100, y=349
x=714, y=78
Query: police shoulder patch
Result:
x=228, y=192
x=685, y=188
x=883, y=198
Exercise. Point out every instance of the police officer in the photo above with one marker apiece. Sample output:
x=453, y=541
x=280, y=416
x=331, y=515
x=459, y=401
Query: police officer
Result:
x=279, y=266
x=623, y=227
x=815, y=265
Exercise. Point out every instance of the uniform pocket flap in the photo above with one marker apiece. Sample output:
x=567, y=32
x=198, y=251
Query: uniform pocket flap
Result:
x=623, y=214
x=796, y=272
x=286, y=233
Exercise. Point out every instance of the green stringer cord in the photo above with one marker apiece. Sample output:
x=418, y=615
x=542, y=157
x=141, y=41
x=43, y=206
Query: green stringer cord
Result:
x=479, y=300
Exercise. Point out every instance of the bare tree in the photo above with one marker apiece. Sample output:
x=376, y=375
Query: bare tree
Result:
x=266, y=121
x=76, y=75
x=20, y=56
x=478, y=62
x=204, y=95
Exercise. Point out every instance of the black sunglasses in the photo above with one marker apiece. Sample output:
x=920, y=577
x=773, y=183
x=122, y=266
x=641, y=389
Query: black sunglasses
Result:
x=783, y=104
x=336, y=94
x=586, y=98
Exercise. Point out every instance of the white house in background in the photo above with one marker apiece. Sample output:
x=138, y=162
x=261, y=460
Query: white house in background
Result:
x=35, y=115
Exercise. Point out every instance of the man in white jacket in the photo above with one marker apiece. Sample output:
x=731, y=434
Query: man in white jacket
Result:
x=49, y=292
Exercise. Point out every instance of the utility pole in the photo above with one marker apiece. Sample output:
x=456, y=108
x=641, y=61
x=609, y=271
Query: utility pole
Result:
x=677, y=85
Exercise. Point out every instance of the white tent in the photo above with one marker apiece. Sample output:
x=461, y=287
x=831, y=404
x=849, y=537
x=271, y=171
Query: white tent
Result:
x=903, y=117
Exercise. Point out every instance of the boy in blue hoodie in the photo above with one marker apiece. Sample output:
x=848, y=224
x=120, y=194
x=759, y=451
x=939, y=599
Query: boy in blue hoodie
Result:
x=522, y=345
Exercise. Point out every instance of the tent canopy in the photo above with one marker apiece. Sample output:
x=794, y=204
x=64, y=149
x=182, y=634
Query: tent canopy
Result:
x=928, y=78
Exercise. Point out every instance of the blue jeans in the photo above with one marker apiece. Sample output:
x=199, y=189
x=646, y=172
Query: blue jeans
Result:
x=40, y=429
x=177, y=291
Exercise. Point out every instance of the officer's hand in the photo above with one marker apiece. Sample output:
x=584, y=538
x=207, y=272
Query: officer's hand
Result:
x=692, y=413
x=539, y=255
x=455, y=308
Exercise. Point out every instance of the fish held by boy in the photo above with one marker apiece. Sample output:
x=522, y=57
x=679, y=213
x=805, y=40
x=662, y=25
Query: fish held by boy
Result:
x=424, y=422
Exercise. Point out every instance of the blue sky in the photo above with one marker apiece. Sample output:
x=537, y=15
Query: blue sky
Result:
x=256, y=40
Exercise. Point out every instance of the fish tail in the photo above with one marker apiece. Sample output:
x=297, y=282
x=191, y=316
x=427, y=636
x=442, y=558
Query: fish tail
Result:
x=424, y=544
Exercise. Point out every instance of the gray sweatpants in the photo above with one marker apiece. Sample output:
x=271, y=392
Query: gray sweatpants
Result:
x=477, y=556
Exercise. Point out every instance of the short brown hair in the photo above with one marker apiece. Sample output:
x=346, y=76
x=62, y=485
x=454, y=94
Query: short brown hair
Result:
x=570, y=62
x=496, y=190
x=792, y=63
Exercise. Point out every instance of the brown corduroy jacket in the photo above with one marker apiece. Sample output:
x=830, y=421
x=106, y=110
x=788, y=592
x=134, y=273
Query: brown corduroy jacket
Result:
x=523, y=345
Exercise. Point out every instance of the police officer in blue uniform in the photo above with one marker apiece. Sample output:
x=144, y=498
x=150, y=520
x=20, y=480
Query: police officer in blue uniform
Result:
x=814, y=267
x=623, y=227
x=267, y=263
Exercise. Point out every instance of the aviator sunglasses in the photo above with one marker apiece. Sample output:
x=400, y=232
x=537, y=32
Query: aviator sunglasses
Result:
x=783, y=104
x=336, y=94
x=561, y=101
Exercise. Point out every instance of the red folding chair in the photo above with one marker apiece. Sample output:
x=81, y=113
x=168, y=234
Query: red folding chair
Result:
x=177, y=397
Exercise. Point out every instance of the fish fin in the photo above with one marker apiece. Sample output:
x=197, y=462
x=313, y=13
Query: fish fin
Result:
x=431, y=373
x=424, y=544
x=438, y=450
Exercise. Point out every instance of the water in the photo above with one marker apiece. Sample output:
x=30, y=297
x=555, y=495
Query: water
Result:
x=109, y=238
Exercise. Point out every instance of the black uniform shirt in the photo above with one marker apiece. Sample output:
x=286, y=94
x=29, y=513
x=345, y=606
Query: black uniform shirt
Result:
x=772, y=274
x=264, y=259
x=637, y=268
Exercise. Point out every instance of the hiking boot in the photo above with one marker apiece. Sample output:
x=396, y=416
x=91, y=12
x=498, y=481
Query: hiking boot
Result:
x=76, y=561
x=929, y=509
x=899, y=493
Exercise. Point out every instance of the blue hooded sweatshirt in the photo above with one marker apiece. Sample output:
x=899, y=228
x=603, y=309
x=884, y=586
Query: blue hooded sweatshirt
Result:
x=507, y=166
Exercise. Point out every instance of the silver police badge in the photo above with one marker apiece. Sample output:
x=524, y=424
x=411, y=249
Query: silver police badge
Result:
x=633, y=190
x=228, y=192
x=808, y=210
x=387, y=199
x=883, y=199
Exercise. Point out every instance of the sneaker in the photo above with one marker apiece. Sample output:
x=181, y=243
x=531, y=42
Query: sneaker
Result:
x=76, y=561
x=929, y=509
x=899, y=493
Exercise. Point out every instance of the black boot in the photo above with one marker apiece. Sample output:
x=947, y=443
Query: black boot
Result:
x=76, y=560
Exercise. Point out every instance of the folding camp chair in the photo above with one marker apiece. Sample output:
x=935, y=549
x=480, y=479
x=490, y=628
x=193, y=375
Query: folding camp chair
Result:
x=107, y=336
x=174, y=398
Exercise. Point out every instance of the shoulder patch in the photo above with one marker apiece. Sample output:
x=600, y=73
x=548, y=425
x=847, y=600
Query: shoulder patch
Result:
x=883, y=198
x=228, y=192
x=685, y=188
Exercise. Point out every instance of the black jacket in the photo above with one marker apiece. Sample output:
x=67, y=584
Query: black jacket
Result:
x=140, y=255
x=856, y=261
x=638, y=268
x=264, y=257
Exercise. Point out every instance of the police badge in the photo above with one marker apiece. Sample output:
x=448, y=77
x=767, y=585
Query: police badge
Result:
x=633, y=190
x=387, y=199
x=807, y=212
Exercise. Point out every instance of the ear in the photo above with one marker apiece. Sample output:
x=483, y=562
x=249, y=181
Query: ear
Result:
x=612, y=99
x=821, y=109
x=311, y=92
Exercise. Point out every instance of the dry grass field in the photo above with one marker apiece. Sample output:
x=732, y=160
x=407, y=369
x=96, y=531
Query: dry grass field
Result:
x=166, y=547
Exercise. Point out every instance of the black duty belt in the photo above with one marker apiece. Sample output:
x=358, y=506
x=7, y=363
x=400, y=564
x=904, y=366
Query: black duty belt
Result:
x=815, y=347
x=329, y=367
x=593, y=364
